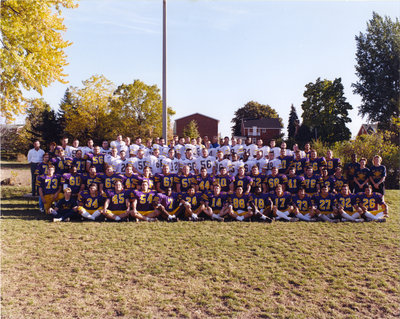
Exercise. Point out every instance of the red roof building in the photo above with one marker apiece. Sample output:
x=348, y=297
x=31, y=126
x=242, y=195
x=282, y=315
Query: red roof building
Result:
x=206, y=125
x=265, y=128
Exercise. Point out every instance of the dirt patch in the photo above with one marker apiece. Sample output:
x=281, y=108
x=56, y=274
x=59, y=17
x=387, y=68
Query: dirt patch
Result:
x=17, y=177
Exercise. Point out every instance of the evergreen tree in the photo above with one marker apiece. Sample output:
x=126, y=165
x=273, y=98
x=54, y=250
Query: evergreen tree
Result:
x=293, y=122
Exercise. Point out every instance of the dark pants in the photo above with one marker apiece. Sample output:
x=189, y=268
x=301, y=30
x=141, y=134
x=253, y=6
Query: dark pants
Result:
x=33, y=178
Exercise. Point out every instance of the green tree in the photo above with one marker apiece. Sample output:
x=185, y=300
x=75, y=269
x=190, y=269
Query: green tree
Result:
x=191, y=130
x=40, y=124
x=138, y=108
x=252, y=110
x=293, y=122
x=325, y=110
x=32, y=50
x=87, y=112
x=377, y=68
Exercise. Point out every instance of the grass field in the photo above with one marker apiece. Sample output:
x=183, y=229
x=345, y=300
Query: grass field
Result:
x=196, y=270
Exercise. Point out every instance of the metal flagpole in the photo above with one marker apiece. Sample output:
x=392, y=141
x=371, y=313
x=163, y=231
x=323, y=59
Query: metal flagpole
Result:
x=164, y=81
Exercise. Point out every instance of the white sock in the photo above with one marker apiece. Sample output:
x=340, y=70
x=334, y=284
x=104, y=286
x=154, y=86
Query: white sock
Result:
x=117, y=218
x=348, y=217
x=96, y=214
x=240, y=218
x=171, y=217
x=87, y=215
x=370, y=216
x=282, y=215
x=325, y=218
x=216, y=216
x=303, y=217
x=194, y=216
x=263, y=217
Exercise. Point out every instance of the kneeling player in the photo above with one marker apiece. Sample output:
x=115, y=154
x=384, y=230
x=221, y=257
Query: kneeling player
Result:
x=303, y=206
x=324, y=205
x=282, y=204
x=369, y=203
x=346, y=205
x=117, y=205
x=90, y=203
x=239, y=208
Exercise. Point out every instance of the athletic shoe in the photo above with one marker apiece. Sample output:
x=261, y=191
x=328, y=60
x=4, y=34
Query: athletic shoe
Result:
x=56, y=220
x=294, y=219
x=380, y=220
x=358, y=220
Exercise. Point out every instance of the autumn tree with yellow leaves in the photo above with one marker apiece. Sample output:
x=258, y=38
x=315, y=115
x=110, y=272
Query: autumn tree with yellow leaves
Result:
x=32, y=50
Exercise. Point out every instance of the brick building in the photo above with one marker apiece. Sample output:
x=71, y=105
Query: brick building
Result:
x=207, y=125
x=265, y=128
x=368, y=129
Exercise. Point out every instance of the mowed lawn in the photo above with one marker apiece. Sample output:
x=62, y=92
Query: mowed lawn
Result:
x=196, y=270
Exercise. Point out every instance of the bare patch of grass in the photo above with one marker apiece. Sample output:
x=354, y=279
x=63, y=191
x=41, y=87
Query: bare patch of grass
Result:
x=197, y=270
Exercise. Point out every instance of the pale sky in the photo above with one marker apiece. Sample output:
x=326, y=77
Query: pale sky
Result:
x=221, y=54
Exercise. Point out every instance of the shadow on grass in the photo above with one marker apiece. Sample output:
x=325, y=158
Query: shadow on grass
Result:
x=19, y=207
x=14, y=165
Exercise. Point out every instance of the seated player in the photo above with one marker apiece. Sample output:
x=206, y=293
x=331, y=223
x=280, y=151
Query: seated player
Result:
x=205, y=181
x=142, y=203
x=215, y=203
x=378, y=175
x=324, y=205
x=66, y=208
x=90, y=202
x=193, y=204
x=238, y=207
x=117, y=204
x=282, y=208
x=49, y=188
x=167, y=204
x=347, y=206
x=164, y=180
x=185, y=180
x=261, y=204
x=302, y=206
x=369, y=203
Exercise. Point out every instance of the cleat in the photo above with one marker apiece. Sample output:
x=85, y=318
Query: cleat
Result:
x=380, y=220
x=56, y=220
x=294, y=219
x=358, y=220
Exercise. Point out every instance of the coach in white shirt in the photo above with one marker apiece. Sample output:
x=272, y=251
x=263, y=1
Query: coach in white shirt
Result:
x=35, y=156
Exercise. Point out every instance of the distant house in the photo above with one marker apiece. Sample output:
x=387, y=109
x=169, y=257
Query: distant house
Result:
x=368, y=129
x=207, y=125
x=265, y=128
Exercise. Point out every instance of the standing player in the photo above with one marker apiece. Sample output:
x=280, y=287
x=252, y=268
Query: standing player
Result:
x=96, y=159
x=235, y=164
x=272, y=162
x=112, y=159
x=331, y=162
x=108, y=179
x=361, y=176
x=205, y=181
x=130, y=180
x=294, y=182
x=221, y=162
x=275, y=179
x=147, y=176
x=79, y=162
x=35, y=157
x=155, y=161
x=172, y=161
x=340, y=180
x=223, y=179
x=205, y=161
x=378, y=175
x=299, y=163
x=242, y=180
x=258, y=179
x=89, y=178
x=73, y=181
x=184, y=180
x=286, y=161
x=350, y=171
x=139, y=162
x=327, y=180
x=312, y=181
x=316, y=162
